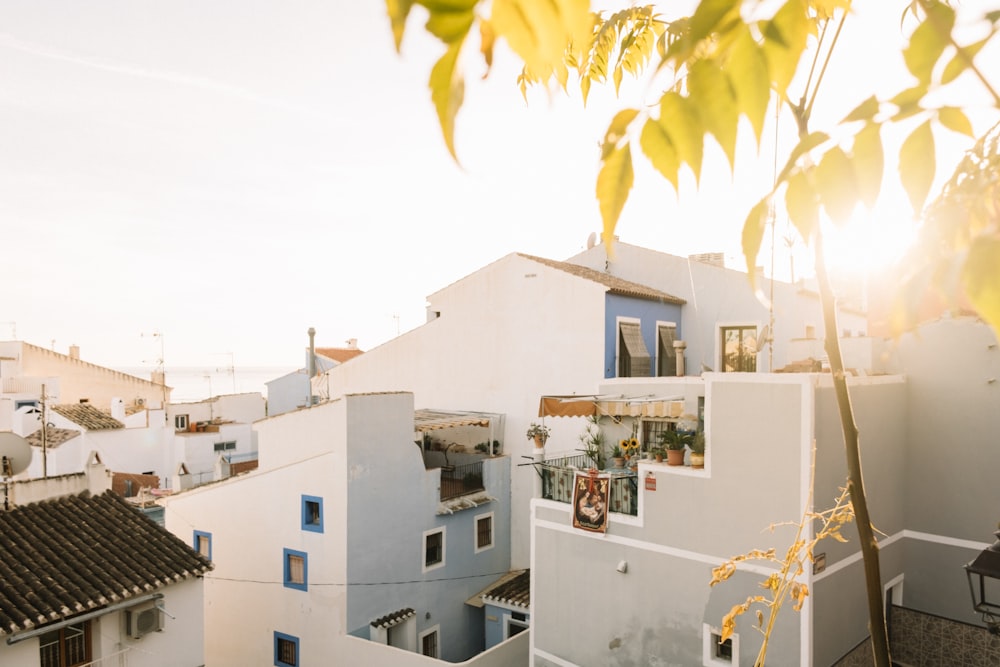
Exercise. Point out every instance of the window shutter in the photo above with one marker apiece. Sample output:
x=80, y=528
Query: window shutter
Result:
x=638, y=361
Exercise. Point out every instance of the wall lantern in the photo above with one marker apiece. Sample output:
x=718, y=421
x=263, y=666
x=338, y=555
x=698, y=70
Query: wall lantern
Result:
x=984, y=584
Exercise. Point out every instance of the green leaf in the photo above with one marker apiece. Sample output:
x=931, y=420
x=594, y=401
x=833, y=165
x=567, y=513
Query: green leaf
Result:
x=917, y=165
x=753, y=234
x=864, y=111
x=712, y=95
x=540, y=31
x=955, y=120
x=398, y=11
x=835, y=183
x=785, y=38
x=802, y=204
x=979, y=277
x=709, y=14
x=447, y=93
x=448, y=5
x=682, y=123
x=614, y=182
x=450, y=26
x=748, y=74
x=657, y=146
x=961, y=61
x=928, y=41
x=869, y=162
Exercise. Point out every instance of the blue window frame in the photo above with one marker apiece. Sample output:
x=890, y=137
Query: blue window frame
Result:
x=312, y=513
x=202, y=543
x=286, y=650
x=295, y=566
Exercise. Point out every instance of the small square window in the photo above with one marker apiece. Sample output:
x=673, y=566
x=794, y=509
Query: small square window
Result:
x=181, y=422
x=225, y=446
x=429, y=644
x=716, y=653
x=484, y=532
x=203, y=543
x=286, y=650
x=296, y=569
x=312, y=513
x=433, y=549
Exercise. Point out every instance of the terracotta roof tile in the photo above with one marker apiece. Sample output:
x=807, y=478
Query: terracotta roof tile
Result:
x=339, y=354
x=77, y=553
x=513, y=591
x=53, y=437
x=87, y=416
x=614, y=284
x=394, y=618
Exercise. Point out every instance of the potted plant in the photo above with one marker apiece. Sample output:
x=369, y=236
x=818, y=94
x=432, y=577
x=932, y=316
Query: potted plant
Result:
x=592, y=440
x=697, y=447
x=659, y=453
x=539, y=433
x=675, y=442
x=618, y=456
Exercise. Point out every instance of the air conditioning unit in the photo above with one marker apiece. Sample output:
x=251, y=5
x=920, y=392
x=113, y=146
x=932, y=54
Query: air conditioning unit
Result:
x=141, y=620
x=140, y=401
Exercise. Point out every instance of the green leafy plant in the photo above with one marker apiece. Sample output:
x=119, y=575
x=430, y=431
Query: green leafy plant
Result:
x=540, y=431
x=593, y=441
x=676, y=440
x=697, y=444
x=616, y=451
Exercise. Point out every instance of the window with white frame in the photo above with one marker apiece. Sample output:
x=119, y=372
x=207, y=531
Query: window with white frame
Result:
x=739, y=349
x=180, y=422
x=428, y=641
x=633, y=357
x=718, y=653
x=433, y=549
x=666, y=355
x=484, y=532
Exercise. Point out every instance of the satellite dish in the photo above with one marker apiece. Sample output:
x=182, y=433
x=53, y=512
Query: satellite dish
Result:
x=16, y=450
x=764, y=338
x=591, y=240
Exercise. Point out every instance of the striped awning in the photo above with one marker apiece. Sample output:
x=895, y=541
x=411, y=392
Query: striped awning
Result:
x=433, y=420
x=618, y=406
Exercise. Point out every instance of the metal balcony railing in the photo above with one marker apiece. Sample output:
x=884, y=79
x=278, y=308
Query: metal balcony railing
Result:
x=558, y=475
x=461, y=480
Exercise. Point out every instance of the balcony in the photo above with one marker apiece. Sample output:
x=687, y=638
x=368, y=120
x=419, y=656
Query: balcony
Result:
x=559, y=473
x=461, y=480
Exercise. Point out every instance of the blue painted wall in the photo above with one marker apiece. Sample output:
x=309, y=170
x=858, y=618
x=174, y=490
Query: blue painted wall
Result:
x=494, y=617
x=647, y=312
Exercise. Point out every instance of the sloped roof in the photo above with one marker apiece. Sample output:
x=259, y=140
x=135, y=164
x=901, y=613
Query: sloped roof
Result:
x=53, y=436
x=339, y=354
x=394, y=618
x=614, y=284
x=514, y=591
x=87, y=416
x=74, y=554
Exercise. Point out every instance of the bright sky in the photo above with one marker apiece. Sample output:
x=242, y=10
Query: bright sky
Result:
x=229, y=174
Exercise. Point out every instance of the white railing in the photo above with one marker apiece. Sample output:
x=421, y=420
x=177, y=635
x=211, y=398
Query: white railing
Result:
x=119, y=659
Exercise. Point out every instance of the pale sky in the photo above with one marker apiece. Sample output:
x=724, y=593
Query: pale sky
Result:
x=229, y=174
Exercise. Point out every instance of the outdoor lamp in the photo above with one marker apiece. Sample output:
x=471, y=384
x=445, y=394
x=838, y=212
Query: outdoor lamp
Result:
x=984, y=584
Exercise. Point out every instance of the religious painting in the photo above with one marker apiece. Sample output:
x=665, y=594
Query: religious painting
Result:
x=590, y=502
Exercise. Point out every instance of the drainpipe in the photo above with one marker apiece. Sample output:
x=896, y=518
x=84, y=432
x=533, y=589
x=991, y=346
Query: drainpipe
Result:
x=311, y=365
x=679, y=347
x=538, y=458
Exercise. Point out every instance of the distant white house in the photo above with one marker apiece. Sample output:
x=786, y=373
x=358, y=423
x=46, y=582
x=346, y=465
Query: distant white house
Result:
x=292, y=390
x=357, y=540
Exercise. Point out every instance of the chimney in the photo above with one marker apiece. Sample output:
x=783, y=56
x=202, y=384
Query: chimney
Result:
x=74, y=351
x=312, y=352
x=118, y=409
x=157, y=377
x=352, y=343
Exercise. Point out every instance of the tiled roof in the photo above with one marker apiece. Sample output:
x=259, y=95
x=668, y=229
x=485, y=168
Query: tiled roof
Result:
x=77, y=553
x=87, y=416
x=339, y=354
x=514, y=591
x=614, y=284
x=53, y=437
x=394, y=618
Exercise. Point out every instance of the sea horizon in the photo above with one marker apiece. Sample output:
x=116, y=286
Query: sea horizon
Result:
x=195, y=383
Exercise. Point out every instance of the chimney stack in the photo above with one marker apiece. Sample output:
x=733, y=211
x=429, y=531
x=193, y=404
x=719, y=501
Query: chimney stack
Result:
x=74, y=351
x=352, y=343
x=312, y=352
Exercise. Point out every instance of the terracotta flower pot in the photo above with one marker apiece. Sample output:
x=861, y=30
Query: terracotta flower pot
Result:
x=675, y=457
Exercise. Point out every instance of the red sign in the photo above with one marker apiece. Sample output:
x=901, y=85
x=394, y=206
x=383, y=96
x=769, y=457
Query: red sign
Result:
x=651, y=483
